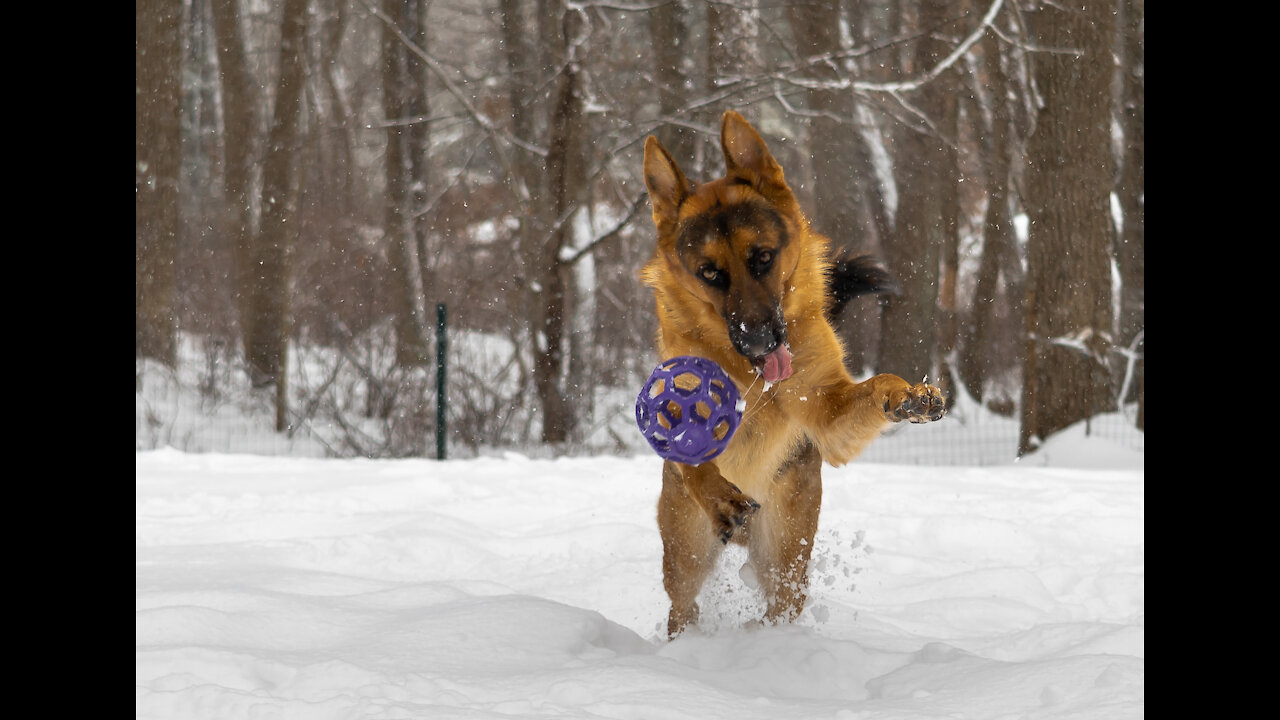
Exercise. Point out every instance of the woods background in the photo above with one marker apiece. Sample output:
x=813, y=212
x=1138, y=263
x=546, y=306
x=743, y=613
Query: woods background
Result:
x=314, y=176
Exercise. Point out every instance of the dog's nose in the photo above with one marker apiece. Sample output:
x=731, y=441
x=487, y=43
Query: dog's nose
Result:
x=754, y=340
x=756, y=343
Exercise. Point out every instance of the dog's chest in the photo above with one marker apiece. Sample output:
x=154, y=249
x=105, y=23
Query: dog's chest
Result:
x=764, y=442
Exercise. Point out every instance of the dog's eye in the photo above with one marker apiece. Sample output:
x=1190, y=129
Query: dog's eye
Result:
x=711, y=274
x=760, y=261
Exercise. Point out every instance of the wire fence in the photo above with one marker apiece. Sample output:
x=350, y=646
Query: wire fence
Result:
x=982, y=438
x=173, y=411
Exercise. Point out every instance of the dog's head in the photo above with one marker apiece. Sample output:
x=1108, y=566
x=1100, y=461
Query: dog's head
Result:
x=737, y=238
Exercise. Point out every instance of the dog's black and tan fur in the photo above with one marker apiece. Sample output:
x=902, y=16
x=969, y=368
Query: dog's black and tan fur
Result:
x=741, y=278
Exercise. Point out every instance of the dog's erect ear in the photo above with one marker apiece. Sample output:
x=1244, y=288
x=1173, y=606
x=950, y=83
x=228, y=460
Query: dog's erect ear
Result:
x=668, y=187
x=745, y=154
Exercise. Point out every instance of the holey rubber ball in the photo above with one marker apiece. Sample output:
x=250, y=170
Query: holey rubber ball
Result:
x=688, y=410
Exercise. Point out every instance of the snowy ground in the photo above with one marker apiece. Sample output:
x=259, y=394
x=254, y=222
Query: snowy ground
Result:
x=510, y=587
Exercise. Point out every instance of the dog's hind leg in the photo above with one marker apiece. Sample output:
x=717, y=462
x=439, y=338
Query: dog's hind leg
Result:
x=781, y=538
x=698, y=512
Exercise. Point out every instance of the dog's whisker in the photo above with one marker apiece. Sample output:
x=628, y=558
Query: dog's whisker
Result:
x=759, y=403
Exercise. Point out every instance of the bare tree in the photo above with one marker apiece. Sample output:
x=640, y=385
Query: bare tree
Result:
x=266, y=333
x=835, y=145
x=999, y=281
x=673, y=72
x=1130, y=246
x=401, y=103
x=261, y=280
x=549, y=189
x=1066, y=374
x=157, y=165
x=733, y=62
x=925, y=225
x=239, y=101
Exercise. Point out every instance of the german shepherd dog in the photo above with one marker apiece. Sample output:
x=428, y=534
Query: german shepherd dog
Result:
x=739, y=277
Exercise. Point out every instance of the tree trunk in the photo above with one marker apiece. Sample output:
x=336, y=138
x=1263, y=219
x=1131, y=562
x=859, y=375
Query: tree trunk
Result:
x=843, y=179
x=399, y=225
x=949, y=253
x=157, y=165
x=833, y=138
x=925, y=169
x=733, y=54
x=239, y=126
x=669, y=36
x=999, y=247
x=266, y=333
x=551, y=192
x=420, y=155
x=1069, y=181
x=337, y=170
x=526, y=181
x=1130, y=250
x=558, y=393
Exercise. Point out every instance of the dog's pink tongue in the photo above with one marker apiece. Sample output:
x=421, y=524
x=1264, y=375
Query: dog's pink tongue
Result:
x=777, y=365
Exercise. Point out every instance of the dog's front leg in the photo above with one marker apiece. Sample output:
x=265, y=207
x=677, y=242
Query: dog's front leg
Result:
x=724, y=504
x=854, y=414
x=698, y=513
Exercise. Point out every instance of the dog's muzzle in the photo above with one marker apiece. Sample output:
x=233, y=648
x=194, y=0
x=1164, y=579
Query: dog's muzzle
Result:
x=765, y=345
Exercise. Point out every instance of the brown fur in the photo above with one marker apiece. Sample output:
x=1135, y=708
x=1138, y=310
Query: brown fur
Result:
x=736, y=269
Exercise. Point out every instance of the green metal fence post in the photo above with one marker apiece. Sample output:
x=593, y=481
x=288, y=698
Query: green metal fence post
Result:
x=442, y=399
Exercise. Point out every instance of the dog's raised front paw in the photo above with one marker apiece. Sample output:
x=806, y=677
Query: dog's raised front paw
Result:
x=729, y=510
x=918, y=404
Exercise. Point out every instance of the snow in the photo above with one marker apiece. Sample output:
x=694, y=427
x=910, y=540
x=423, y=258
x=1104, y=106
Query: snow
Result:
x=517, y=587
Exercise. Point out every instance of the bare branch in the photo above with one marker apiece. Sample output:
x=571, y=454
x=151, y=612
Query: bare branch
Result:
x=492, y=130
x=943, y=65
x=581, y=252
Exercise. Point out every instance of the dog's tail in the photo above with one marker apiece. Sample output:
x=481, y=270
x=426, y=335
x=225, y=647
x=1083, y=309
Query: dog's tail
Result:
x=851, y=275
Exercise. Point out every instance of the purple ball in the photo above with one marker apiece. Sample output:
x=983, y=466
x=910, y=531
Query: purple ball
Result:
x=688, y=410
